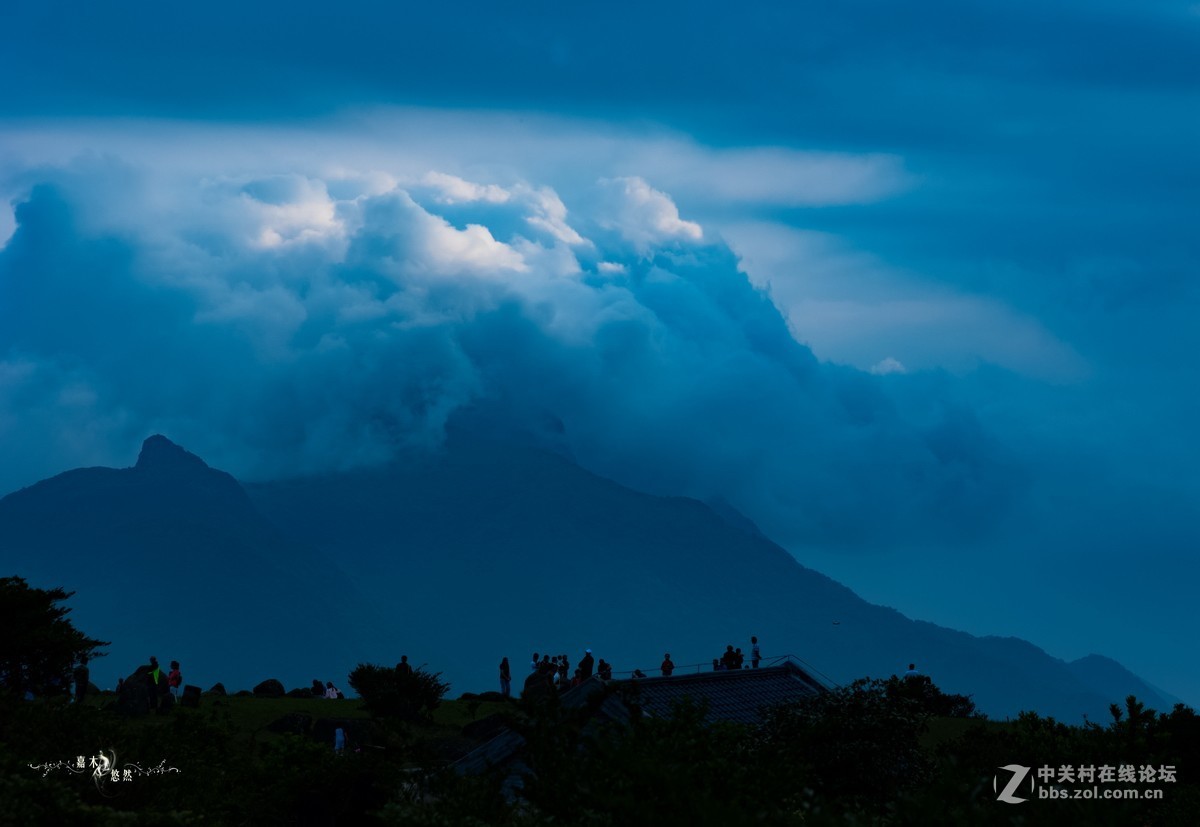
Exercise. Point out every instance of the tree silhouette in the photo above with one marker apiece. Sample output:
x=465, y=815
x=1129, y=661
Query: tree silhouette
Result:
x=39, y=645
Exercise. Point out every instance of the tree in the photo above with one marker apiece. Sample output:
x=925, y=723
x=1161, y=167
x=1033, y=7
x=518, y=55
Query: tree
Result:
x=391, y=692
x=39, y=645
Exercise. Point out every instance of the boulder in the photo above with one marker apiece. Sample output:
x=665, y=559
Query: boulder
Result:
x=190, y=697
x=300, y=692
x=270, y=688
x=218, y=689
x=134, y=696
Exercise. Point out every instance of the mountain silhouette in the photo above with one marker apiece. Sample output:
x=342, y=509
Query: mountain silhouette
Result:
x=486, y=548
x=170, y=558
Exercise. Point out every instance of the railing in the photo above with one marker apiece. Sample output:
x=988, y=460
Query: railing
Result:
x=697, y=668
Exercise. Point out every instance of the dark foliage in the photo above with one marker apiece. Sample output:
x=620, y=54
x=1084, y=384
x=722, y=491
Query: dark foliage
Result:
x=40, y=646
x=389, y=692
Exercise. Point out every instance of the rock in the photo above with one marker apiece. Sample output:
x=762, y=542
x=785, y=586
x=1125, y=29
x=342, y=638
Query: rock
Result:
x=134, y=697
x=191, y=697
x=300, y=692
x=270, y=688
x=218, y=689
x=490, y=697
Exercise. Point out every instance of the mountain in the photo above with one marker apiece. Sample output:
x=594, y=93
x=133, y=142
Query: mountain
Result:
x=487, y=548
x=170, y=558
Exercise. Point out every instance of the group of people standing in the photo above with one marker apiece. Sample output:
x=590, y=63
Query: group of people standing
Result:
x=554, y=672
x=735, y=659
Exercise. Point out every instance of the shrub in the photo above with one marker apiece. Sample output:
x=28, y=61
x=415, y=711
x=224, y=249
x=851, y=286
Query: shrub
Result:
x=387, y=692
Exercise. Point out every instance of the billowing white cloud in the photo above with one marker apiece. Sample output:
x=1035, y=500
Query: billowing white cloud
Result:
x=452, y=189
x=645, y=216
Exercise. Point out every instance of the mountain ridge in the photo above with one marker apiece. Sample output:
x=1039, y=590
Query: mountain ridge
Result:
x=487, y=549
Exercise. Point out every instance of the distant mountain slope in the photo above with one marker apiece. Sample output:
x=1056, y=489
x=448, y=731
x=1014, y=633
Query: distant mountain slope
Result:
x=171, y=558
x=493, y=548
x=1115, y=681
x=488, y=548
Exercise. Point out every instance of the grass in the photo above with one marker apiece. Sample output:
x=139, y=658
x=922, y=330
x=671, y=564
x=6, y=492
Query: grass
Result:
x=437, y=738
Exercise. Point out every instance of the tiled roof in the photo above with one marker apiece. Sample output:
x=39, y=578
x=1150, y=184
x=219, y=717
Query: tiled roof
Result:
x=730, y=696
x=736, y=696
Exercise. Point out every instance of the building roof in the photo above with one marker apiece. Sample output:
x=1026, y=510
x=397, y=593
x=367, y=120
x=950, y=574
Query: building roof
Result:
x=738, y=696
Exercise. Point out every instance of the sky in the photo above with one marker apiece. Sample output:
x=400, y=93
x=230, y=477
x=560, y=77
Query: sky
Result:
x=913, y=286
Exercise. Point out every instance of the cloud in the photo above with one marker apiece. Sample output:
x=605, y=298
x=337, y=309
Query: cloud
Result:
x=848, y=306
x=645, y=216
x=345, y=313
x=776, y=176
x=887, y=365
x=453, y=190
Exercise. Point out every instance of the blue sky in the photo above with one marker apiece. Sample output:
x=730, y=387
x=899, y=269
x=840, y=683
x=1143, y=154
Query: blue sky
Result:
x=914, y=286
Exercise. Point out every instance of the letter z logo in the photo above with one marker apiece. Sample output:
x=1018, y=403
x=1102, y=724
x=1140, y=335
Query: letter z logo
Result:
x=1018, y=775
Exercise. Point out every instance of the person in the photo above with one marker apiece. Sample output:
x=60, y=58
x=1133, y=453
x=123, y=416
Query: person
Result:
x=331, y=691
x=175, y=679
x=156, y=684
x=912, y=671
x=586, y=664
x=533, y=666
x=81, y=675
x=738, y=658
x=638, y=673
x=505, y=678
x=729, y=659
x=717, y=666
x=667, y=665
x=563, y=668
x=318, y=690
x=604, y=670
x=403, y=667
x=755, y=654
x=578, y=679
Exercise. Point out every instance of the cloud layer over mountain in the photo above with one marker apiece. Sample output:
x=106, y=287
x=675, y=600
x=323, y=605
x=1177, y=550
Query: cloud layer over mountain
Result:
x=298, y=316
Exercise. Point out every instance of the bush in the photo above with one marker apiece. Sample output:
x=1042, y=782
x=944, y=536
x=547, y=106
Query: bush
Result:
x=387, y=692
